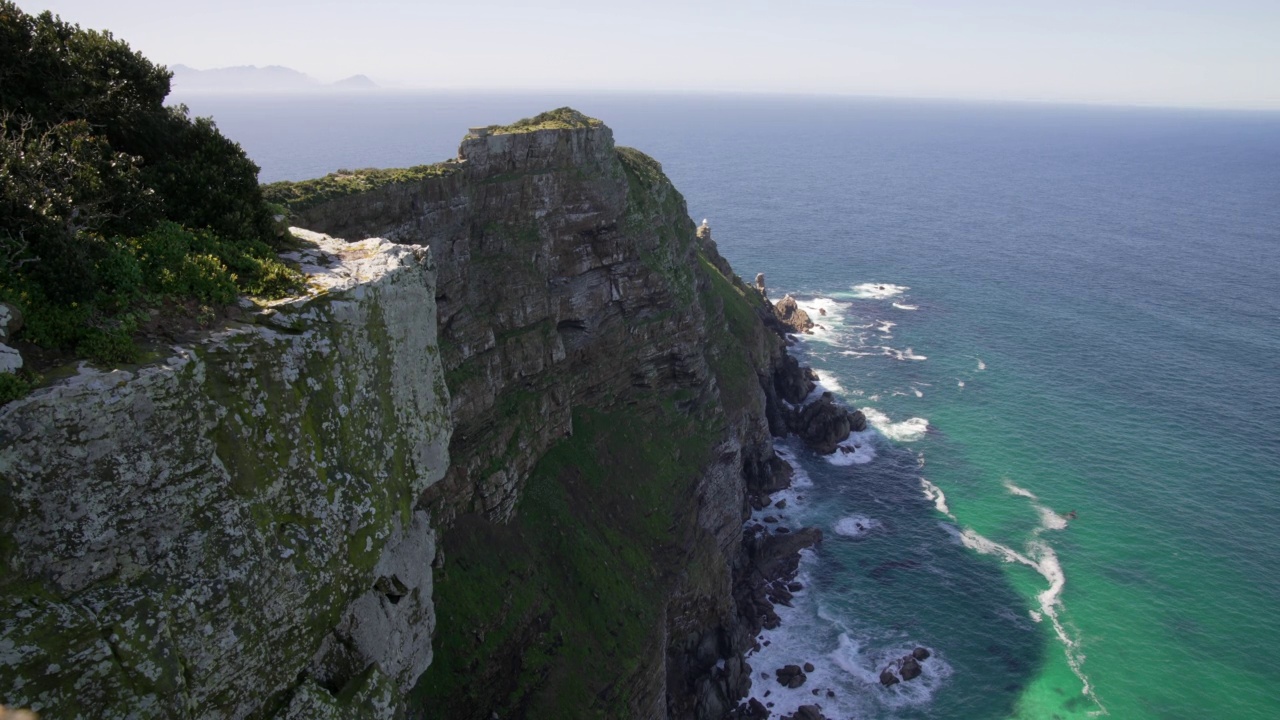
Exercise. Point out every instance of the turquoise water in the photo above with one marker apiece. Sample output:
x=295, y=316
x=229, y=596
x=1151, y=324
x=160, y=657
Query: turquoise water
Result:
x=1085, y=309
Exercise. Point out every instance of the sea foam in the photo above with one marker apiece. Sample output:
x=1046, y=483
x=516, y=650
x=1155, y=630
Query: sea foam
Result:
x=907, y=354
x=878, y=291
x=906, y=431
x=855, y=526
x=857, y=449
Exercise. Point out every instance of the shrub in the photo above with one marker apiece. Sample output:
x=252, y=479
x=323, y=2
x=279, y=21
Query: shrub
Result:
x=109, y=201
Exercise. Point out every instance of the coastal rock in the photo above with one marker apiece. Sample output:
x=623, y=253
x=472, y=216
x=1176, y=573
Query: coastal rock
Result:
x=823, y=424
x=792, y=316
x=806, y=712
x=920, y=653
x=778, y=556
x=909, y=669
x=887, y=678
x=791, y=676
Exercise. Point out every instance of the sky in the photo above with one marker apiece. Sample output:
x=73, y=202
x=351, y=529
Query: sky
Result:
x=1182, y=53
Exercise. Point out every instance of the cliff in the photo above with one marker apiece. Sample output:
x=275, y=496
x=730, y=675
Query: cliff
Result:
x=278, y=533
x=189, y=537
x=605, y=375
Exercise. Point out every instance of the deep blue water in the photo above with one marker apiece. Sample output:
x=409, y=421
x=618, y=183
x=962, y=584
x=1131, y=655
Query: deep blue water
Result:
x=1081, y=311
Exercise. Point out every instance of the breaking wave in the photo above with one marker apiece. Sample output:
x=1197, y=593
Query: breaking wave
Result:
x=906, y=431
x=878, y=291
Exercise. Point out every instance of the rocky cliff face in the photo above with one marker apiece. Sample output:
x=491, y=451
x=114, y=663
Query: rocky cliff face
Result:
x=265, y=523
x=230, y=530
x=605, y=375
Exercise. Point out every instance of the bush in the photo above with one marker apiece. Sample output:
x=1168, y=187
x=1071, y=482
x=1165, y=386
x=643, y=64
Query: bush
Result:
x=13, y=387
x=110, y=202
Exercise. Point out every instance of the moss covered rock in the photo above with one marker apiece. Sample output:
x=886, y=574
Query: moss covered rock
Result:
x=192, y=536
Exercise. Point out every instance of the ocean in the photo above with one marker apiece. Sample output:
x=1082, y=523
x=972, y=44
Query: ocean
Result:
x=1063, y=323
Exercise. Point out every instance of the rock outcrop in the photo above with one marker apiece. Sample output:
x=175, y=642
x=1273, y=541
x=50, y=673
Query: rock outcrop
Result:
x=231, y=527
x=792, y=316
x=908, y=667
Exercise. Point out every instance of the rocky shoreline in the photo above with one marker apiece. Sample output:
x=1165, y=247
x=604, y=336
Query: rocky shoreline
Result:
x=772, y=551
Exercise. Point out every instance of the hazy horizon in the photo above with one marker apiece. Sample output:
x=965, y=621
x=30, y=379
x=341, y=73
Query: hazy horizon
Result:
x=1219, y=55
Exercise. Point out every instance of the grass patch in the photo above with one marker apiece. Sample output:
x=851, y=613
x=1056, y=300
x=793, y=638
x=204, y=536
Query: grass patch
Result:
x=299, y=196
x=565, y=118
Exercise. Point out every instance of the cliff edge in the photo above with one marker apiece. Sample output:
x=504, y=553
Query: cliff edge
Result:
x=191, y=536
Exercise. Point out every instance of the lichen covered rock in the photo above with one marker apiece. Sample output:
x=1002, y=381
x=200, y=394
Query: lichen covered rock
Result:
x=200, y=534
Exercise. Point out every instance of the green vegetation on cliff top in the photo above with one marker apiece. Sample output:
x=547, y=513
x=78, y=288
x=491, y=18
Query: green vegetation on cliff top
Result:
x=114, y=209
x=564, y=118
x=304, y=194
x=297, y=196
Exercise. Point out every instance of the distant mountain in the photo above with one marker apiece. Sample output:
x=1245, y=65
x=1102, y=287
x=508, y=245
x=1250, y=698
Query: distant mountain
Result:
x=254, y=79
x=356, y=82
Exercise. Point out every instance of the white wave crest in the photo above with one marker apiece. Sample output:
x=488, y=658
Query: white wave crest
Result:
x=878, y=291
x=934, y=493
x=906, y=431
x=827, y=381
x=981, y=365
x=885, y=326
x=1050, y=520
x=855, y=526
x=1020, y=492
x=896, y=354
x=904, y=306
x=1042, y=558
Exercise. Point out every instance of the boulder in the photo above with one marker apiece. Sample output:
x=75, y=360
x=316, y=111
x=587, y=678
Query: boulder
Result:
x=920, y=653
x=10, y=359
x=755, y=710
x=806, y=712
x=808, y=667
x=910, y=668
x=887, y=678
x=791, y=676
x=10, y=321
